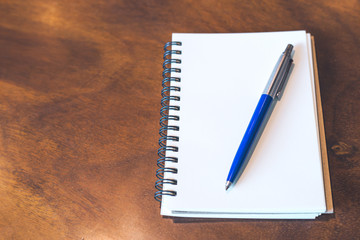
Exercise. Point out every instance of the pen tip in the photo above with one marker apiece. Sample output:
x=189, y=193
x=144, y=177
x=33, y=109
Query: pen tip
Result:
x=227, y=185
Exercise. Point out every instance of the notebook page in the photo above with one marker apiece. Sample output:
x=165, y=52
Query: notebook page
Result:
x=223, y=76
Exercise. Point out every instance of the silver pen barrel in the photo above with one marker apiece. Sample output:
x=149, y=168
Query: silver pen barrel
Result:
x=280, y=73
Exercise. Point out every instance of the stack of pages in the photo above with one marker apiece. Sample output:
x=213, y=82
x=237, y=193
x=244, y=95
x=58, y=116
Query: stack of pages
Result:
x=221, y=79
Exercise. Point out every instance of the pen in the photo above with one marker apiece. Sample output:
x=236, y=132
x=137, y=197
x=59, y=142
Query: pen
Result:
x=272, y=92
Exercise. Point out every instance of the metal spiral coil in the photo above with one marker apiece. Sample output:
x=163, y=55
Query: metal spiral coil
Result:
x=165, y=117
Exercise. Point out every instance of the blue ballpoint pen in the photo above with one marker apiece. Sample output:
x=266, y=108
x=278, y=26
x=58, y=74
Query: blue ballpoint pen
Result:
x=272, y=92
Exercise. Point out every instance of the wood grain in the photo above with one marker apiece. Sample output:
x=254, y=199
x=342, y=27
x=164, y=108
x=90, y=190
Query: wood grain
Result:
x=80, y=86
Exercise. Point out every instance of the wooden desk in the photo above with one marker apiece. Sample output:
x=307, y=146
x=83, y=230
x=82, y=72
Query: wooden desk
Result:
x=80, y=86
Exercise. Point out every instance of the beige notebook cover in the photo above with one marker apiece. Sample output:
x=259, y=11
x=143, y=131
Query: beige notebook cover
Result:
x=325, y=162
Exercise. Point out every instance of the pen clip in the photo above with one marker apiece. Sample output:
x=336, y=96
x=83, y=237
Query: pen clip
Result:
x=284, y=77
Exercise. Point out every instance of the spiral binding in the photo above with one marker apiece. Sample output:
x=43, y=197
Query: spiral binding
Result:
x=165, y=117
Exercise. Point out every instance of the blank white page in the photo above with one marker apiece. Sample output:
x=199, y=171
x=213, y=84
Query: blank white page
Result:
x=222, y=79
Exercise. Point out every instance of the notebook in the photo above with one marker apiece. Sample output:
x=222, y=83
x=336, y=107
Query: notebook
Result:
x=211, y=85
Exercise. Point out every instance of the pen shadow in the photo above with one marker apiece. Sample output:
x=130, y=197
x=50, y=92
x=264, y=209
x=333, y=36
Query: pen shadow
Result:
x=261, y=129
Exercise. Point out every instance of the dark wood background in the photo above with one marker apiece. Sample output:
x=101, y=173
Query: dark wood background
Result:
x=80, y=86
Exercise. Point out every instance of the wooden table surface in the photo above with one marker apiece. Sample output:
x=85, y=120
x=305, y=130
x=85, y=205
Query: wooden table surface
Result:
x=80, y=86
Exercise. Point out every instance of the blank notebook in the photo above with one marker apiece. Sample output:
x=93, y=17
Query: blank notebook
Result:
x=212, y=84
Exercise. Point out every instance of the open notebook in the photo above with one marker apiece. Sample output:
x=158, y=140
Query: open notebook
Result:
x=216, y=82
